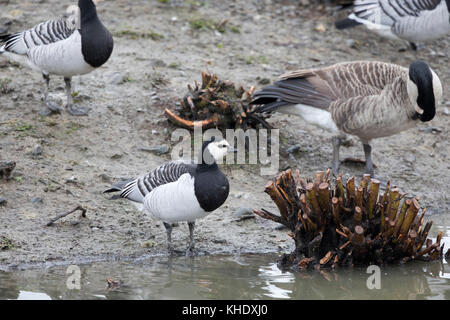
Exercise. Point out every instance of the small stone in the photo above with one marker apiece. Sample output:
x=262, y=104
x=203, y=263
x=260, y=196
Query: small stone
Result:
x=36, y=200
x=320, y=28
x=116, y=156
x=293, y=149
x=105, y=178
x=163, y=149
x=446, y=111
x=257, y=17
x=148, y=244
x=351, y=43
x=430, y=130
x=411, y=158
x=264, y=81
x=37, y=150
x=243, y=214
x=115, y=78
x=3, y=30
x=158, y=63
x=3, y=201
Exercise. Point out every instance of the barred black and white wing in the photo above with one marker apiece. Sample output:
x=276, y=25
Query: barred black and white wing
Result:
x=42, y=34
x=412, y=20
x=137, y=189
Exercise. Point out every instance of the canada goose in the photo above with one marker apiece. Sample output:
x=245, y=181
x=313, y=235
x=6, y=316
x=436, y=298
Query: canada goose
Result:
x=411, y=20
x=74, y=45
x=367, y=99
x=181, y=190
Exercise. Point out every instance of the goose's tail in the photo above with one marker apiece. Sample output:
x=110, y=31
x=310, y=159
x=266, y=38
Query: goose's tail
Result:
x=346, y=23
x=3, y=39
x=268, y=99
x=118, y=187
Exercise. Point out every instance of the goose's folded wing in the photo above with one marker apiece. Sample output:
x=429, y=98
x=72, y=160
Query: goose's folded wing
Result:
x=137, y=189
x=320, y=87
x=42, y=34
x=387, y=12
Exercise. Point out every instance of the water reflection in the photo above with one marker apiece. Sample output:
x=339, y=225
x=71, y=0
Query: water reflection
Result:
x=219, y=277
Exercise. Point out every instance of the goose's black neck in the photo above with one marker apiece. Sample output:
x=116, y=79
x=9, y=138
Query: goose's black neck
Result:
x=210, y=184
x=420, y=74
x=88, y=11
x=96, y=41
x=207, y=167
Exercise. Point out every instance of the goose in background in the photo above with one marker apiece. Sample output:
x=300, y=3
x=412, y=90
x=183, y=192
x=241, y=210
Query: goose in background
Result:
x=367, y=99
x=73, y=45
x=411, y=20
x=181, y=190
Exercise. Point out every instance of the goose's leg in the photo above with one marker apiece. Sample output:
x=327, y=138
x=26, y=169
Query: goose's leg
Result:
x=169, y=237
x=417, y=46
x=75, y=111
x=52, y=107
x=368, y=155
x=191, y=249
x=336, y=140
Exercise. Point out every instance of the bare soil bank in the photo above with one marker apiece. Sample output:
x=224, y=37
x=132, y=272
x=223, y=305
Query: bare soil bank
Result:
x=159, y=49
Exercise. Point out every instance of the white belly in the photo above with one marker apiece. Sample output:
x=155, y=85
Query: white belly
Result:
x=62, y=58
x=175, y=201
x=318, y=117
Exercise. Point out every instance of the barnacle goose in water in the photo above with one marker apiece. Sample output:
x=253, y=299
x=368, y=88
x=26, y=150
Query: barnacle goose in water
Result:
x=411, y=20
x=367, y=99
x=73, y=45
x=181, y=190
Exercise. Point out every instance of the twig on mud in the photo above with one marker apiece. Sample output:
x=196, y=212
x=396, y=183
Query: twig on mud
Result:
x=62, y=215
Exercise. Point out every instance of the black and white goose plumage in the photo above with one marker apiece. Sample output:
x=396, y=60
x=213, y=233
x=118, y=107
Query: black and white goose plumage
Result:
x=73, y=45
x=411, y=20
x=181, y=190
x=368, y=99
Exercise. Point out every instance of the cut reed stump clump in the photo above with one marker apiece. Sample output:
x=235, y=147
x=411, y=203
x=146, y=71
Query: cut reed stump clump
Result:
x=217, y=104
x=349, y=225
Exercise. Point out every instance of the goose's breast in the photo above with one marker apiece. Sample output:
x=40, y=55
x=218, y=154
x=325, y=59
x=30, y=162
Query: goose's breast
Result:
x=63, y=58
x=175, y=201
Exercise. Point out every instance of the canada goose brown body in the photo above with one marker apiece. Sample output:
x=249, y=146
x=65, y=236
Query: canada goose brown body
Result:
x=368, y=99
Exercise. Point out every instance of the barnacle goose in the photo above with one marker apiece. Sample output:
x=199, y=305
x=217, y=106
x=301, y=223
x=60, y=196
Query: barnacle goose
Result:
x=367, y=99
x=73, y=45
x=411, y=20
x=181, y=190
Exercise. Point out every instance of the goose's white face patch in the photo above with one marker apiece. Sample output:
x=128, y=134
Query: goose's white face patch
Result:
x=437, y=87
x=413, y=94
x=218, y=149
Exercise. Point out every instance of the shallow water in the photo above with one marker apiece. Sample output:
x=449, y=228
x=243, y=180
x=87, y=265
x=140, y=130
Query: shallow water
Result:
x=225, y=277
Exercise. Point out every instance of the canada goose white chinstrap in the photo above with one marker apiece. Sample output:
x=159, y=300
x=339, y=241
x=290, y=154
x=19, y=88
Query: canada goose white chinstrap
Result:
x=181, y=190
x=367, y=99
x=73, y=45
x=411, y=20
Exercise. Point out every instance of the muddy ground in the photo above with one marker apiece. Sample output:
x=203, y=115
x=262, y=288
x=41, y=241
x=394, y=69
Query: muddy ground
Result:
x=159, y=48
